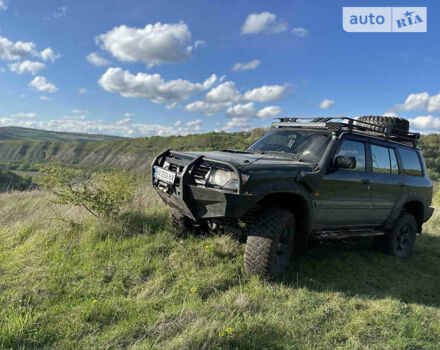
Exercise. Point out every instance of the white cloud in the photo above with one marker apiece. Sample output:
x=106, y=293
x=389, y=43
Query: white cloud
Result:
x=236, y=123
x=269, y=112
x=301, y=32
x=199, y=43
x=3, y=5
x=243, y=111
x=26, y=66
x=326, y=103
x=210, y=81
x=48, y=55
x=434, y=104
x=414, y=102
x=79, y=111
x=425, y=123
x=241, y=66
x=390, y=114
x=24, y=115
x=154, y=44
x=82, y=91
x=44, y=98
x=95, y=59
x=266, y=93
x=207, y=108
x=129, y=115
x=61, y=12
x=225, y=92
x=263, y=22
x=11, y=51
x=78, y=123
x=419, y=102
x=41, y=84
x=149, y=86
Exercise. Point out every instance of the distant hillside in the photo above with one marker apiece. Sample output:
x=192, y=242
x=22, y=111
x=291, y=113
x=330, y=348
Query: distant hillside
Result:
x=16, y=133
x=10, y=181
x=137, y=154
x=130, y=154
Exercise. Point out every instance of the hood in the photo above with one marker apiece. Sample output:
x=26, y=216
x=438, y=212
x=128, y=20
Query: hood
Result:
x=242, y=159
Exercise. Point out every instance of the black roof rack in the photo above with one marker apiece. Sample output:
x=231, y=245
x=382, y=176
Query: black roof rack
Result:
x=345, y=124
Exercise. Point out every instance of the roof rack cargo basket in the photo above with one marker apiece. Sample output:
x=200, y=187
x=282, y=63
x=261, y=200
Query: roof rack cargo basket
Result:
x=350, y=125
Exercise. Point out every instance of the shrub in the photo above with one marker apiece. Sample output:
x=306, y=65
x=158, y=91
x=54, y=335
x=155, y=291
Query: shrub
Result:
x=102, y=194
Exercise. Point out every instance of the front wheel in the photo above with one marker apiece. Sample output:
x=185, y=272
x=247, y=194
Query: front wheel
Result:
x=270, y=243
x=400, y=240
x=182, y=225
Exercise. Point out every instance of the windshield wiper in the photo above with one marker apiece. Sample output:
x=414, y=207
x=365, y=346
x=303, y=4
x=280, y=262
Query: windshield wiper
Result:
x=235, y=151
x=256, y=151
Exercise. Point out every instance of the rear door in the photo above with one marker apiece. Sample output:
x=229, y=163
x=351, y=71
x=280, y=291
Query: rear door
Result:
x=344, y=194
x=387, y=182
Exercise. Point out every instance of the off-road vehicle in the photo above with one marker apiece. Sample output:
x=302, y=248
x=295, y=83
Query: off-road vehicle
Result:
x=305, y=179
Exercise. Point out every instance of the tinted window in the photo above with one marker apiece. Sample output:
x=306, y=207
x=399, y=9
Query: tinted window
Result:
x=394, y=166
x=381, y=159
x=411, y=163
x=354, y=149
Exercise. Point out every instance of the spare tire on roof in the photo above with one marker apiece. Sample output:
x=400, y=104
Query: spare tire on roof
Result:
x=398, y=125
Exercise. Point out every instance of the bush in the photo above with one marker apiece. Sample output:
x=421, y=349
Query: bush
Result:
x=102, y=194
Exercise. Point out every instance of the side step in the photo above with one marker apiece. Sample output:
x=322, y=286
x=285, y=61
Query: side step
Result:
x=337, y=234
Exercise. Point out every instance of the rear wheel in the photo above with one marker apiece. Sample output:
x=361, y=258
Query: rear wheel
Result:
x=400, y=240
x=269, y=244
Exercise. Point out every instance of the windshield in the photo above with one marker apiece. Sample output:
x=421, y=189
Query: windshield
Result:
x=306, y=145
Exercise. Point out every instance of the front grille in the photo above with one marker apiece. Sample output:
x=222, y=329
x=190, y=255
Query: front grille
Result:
x=200, y=174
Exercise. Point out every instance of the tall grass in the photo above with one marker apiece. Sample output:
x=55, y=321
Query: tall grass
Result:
x=134, y=285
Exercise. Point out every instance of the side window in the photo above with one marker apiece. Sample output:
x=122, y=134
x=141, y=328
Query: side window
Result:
x=393, y=158
x=411, y=162
x=354, y=149
x=380, y=159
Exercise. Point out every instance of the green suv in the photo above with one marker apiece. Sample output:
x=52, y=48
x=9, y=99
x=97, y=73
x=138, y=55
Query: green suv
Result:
x=305, y=179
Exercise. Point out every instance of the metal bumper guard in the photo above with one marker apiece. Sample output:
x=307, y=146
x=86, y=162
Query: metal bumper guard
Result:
x=198, y=202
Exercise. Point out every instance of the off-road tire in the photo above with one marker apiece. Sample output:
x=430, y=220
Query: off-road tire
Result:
x=398, y=125
x=269, y=244
x=400, y=240
x=181, y=224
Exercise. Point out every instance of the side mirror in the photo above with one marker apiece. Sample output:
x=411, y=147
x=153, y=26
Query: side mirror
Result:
x=345, y=162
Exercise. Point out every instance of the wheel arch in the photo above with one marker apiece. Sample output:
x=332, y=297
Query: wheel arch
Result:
x=416, y=208
x=411, y=203
x=296, y=202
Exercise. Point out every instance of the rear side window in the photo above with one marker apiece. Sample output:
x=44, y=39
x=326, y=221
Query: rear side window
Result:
x=410, y=162
x=381, y=159
x=353, y=149
x=384, y=160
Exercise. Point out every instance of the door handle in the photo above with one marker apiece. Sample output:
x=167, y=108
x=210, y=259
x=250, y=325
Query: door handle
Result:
x=366, y=181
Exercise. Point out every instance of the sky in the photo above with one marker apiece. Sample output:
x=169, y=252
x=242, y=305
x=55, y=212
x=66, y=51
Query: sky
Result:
x=141, y=68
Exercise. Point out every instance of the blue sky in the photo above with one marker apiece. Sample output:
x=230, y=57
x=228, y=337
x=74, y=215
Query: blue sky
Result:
x=141, y=68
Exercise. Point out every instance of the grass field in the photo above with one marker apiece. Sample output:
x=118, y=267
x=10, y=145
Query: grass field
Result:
x=134, y=285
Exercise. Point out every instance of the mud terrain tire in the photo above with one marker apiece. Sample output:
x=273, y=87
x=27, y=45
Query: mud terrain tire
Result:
x=398, y=125
x=269, y=244
x=400, y=240
x=181, y=224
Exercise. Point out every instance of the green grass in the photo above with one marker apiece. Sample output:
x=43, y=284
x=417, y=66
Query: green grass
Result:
x=134, y=285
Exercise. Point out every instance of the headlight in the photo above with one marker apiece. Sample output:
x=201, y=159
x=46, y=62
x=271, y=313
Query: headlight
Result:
x=226, y=179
